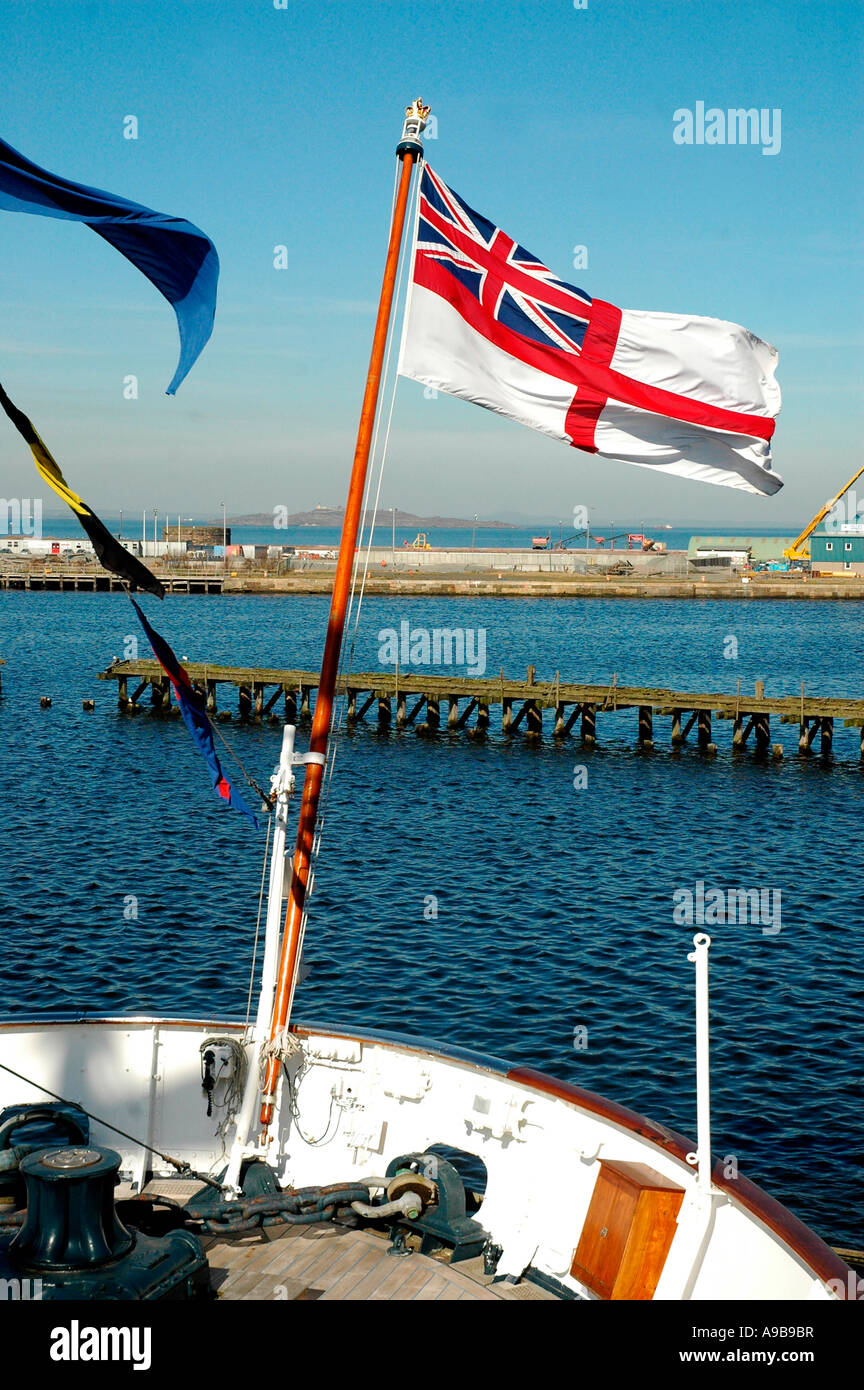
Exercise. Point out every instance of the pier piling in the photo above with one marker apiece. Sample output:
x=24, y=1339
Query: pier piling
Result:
x=467, y=712
x=646, y=726
x=416, y=710
x=522, y=703
x=762, y=731
x=482, y=725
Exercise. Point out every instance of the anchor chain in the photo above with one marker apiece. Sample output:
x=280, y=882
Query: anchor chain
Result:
x=302, y=1207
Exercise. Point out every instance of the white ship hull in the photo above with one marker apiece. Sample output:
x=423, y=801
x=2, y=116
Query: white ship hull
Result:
x=357, y=1101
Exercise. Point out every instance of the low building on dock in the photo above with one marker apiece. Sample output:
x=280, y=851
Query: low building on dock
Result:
x=839, y=551
x=736, y=552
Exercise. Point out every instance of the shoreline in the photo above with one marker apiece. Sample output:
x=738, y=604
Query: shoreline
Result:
x=759, y=587
x=462, y=583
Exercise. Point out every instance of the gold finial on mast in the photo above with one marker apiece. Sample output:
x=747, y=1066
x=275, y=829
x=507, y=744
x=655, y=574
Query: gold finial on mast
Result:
x=418, y=109
x=416, y=116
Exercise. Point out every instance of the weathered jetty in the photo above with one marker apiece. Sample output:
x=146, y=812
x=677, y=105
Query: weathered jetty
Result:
x=101, y=582
x=429, y=703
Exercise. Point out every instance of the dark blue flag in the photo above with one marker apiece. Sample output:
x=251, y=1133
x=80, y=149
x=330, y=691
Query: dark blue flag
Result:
x=175, y=255
x=191, y=704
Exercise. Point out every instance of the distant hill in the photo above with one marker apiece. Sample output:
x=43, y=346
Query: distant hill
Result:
x=332, y=516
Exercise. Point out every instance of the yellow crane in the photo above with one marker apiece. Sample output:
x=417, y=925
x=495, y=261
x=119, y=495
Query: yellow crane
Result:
x=797, y=551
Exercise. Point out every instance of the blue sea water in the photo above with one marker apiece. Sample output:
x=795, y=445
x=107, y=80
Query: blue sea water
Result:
x=554, y=903
x=441, y=537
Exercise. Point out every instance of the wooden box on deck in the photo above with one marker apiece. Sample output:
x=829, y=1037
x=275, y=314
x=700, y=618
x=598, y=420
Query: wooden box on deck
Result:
x=627, y=1232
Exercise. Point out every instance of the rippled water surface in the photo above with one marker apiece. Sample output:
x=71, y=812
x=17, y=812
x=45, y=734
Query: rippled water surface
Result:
x=555, y=904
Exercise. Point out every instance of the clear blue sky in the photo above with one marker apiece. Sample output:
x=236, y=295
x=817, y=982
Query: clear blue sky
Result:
x=269, y=126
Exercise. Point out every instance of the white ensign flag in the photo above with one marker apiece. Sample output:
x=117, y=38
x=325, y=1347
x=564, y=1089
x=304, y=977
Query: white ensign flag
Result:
x=487, y=321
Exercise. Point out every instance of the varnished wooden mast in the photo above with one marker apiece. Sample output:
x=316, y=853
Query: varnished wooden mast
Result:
x=410, y=152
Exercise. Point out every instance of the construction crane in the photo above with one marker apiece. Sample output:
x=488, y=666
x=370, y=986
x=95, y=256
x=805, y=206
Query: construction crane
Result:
x=796, y=550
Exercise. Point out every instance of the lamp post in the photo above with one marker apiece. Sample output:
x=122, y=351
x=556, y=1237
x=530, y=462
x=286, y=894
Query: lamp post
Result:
x=474, y=532
x=120, y=537
x=224, y=542
x=393, y=543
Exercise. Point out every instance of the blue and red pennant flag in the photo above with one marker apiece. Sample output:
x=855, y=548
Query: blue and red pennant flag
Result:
x=175, y=255
x=191, y=704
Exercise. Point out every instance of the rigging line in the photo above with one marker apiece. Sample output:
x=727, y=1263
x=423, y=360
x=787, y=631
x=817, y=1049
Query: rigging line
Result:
x=180, y=1164
x=374, y=512
x=346, y=661
x=258, y=922
x=338, y=712
x=382, y=457
x=379, y=459
x=356, y=606
x=377, y=425
x=267, y=800
x=378, y=464
x=348, y=644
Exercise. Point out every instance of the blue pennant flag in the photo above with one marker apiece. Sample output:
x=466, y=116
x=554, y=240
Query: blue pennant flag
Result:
x=191, y=704
x=175, y=255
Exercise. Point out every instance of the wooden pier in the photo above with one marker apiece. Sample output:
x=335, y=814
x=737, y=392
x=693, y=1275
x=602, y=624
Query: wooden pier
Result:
x=101, y=582
x=532, y=707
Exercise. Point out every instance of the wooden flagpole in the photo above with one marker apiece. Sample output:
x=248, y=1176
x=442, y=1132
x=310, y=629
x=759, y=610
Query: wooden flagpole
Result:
x=410, y=152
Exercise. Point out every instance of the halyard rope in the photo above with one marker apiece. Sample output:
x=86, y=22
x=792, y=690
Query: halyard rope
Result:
x=376, y=476
x=258, y=923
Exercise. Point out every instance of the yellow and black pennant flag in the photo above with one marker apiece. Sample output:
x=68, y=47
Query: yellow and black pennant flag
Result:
x=112, y=555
